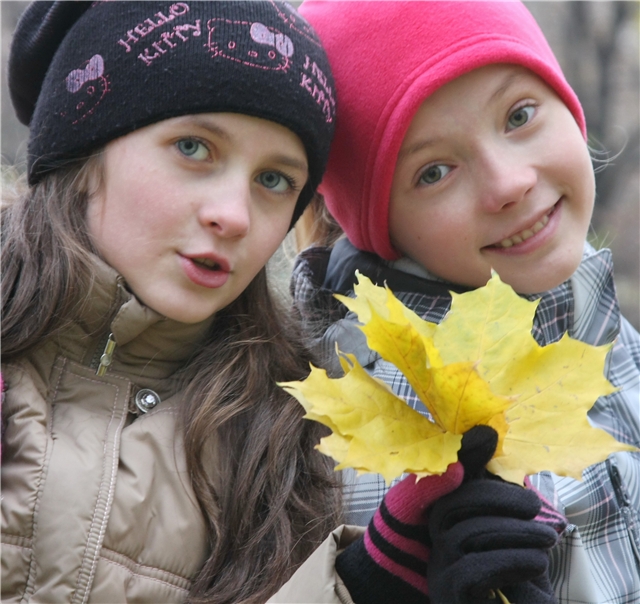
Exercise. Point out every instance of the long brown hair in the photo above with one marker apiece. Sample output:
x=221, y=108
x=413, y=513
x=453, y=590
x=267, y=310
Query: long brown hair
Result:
x=267, y=496
x=46, y=253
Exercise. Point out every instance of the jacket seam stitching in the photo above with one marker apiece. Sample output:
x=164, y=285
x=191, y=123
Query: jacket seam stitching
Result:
x=30, y=585
x=16, y=545
x=137, y=565
x=92, y=530
x=154, y=412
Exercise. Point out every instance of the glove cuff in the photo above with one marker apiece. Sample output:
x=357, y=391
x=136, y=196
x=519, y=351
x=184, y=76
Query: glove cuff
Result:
x=403, y=556
x=371, y=583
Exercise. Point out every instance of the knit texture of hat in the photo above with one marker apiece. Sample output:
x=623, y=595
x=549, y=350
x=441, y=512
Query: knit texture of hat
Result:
x=84, y=73
x=387, y=57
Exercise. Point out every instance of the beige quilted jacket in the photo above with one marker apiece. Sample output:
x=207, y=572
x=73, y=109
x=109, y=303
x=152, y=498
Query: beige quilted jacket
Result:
x=96, y=503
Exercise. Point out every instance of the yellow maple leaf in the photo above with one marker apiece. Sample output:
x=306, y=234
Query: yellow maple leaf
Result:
x=372, y=427
x=481, y=365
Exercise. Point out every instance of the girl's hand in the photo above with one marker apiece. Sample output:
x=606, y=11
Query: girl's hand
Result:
x=484, y=539
x=389, y=563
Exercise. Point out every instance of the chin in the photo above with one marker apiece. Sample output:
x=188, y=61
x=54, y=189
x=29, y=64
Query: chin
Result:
x=188, y=319
x=186, y=313
x=539, y=285
x=546, y=276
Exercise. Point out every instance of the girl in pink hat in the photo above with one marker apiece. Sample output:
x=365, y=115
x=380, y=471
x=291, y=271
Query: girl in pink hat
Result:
x=460, y=148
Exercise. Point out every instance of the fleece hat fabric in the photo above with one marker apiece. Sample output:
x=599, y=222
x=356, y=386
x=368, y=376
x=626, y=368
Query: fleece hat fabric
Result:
x=387, y=57
x=84, y=73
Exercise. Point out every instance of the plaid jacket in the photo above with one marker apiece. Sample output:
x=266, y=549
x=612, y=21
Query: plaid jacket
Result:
x=598, y=558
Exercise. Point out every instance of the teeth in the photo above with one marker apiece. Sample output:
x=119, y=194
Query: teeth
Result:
x=526, y=234
x=206, y=262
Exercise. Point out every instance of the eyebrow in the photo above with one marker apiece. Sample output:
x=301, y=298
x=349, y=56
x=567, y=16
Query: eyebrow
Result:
x=203, y=122
x=429, y=142
x=507, y=82
x=287, y=160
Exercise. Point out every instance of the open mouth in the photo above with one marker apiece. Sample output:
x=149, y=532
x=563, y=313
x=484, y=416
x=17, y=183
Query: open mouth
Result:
x=208, y=271
x=525, y=234
x=207, y=263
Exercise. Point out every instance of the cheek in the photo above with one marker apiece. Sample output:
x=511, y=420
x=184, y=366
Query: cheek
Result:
x=579, y=180
x=569, y=155
x=589, y=179
x=270, y=221
x=408, y=230
x=589, y=196
x=275, y=235
x=122, y=221
x=436, y=232
x=95, y=220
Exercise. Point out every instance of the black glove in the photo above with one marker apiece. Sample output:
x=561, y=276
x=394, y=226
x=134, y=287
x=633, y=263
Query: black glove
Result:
x=484, y=537
x=389, y=563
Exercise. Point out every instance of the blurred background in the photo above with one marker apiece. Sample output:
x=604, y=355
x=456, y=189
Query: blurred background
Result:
x=597, y=44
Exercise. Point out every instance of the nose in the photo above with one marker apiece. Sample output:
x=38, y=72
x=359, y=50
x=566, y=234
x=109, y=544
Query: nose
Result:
x=226, y=209
x=506, y=178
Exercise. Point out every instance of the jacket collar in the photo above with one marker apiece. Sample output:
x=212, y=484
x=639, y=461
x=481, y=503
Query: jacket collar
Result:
x=586, y=305
x=596, y=310
x=399, y=276
x=148, y=346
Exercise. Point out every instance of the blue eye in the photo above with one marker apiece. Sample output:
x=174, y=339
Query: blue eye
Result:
x=433, y=174
x=521, y=116
x=275, y=181
x=193, y=149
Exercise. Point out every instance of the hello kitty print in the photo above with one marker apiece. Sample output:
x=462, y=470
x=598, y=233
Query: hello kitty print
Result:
x=89, y=85
x=271, y=49
x=158, y=37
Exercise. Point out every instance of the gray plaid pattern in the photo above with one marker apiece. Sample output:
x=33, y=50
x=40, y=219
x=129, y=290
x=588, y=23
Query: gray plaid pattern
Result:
x=598, y=559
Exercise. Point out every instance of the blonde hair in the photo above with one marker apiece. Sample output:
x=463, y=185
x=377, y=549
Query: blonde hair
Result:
x=316, y=226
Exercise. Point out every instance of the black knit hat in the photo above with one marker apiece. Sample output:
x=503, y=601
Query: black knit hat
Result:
x=84, y=73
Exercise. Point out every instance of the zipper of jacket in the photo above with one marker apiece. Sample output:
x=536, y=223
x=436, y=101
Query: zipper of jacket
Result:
x=101, y=362
x=625, y=507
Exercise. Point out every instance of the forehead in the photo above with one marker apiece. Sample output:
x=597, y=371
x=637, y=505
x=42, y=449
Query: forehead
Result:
x=477, y=91
x=500, y=75
x=251, y=136
x=227, y=125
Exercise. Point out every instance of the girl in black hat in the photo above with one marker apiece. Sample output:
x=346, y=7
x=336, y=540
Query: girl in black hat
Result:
x=148, y=454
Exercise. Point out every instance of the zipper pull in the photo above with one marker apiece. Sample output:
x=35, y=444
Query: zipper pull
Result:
x=105, y=359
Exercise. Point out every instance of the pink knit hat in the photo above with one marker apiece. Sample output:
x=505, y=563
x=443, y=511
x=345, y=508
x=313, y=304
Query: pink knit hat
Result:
x=387, y=57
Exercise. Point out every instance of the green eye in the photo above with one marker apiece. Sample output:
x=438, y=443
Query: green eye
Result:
x=193, y=149
x=274, y=181
x=434, y=173
x=521, y=116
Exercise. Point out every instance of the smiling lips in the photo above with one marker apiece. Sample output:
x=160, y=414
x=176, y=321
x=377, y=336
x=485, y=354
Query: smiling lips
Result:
x=526, y=233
